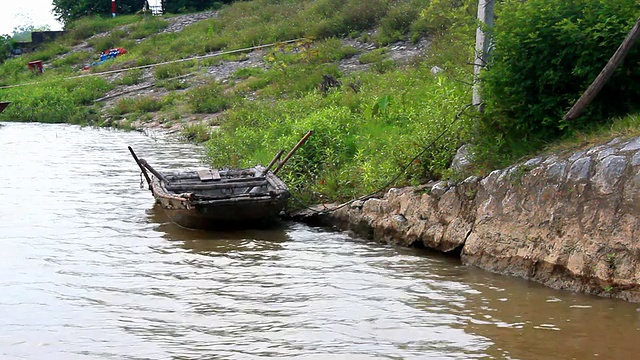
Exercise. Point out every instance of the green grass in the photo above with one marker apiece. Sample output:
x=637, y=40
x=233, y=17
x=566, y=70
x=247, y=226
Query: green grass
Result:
x=143, y=104
x=56, y=100
x=354, y=150
x=366, y=129
x=197, y=132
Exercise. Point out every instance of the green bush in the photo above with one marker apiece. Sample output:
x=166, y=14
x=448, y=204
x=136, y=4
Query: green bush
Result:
x=143, y=104
x=47, y=52
x=197, y=132
x=546, y=54
x=168, y=71
x=55, y=101
x=74, y=58
x=131, y=77
x=91, y=25
x=361, y=141
x=148, y=26
x=6, y=45
x=245, y=73
x=209, y=98
x=363, y=15
x=113, y=40
x=377, y=55
x=397, y=22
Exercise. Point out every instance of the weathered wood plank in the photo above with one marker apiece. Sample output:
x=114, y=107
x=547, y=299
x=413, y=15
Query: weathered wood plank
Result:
x=214, y=186
x=208, y=174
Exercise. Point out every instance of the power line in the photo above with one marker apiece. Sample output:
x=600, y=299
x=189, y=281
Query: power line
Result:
x=257, y=47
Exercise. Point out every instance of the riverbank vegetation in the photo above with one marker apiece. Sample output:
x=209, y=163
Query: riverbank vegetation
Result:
x=386, y=123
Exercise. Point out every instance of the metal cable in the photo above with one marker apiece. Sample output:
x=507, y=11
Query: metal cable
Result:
x=163, y=63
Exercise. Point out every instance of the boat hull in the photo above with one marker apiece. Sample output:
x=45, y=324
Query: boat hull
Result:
x=254, y=213
x=3, y=105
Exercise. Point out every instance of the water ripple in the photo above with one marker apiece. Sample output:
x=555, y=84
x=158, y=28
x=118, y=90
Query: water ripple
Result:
x=93, y=270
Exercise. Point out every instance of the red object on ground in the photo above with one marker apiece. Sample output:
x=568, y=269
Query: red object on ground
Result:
x=36, y=66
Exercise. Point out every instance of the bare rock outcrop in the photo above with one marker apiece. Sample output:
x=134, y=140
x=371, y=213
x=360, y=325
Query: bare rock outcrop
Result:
x=567, y=221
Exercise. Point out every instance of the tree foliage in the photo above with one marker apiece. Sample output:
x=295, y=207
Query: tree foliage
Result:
x=546, y=54
x=69, y=10
x=6, y=45
x=178, y=6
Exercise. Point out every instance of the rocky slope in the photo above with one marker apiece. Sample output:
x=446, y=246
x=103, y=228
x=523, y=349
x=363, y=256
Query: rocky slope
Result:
x=567, y=221
x=402, y=53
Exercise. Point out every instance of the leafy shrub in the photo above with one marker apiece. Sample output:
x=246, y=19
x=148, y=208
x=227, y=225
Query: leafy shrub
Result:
x=208, y=98
x=355, y=149
x=397, y=22
x=6, y=45
x=55, y=101
x=245, y=73
x=197, y=132
x=88, y=26
x=377, y=55
x=384, y=66
x=131, y=77
x=332, y=50
x=47, y=52
x=142, y=104
x=102, y=43
x=296, y=80
x=546, y=54
x=363, y=15
x=73, y=58
x=146, y=27
x=168, y=71
x=379, y=60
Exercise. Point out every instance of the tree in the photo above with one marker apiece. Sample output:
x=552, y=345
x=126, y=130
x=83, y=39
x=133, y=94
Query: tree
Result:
x=178, y=6
x=69, y=10
x=6, y=45
x=546, y=53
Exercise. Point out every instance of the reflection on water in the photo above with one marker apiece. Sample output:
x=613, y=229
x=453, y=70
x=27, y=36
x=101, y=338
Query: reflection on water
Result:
x=93, y=270
x=214, y=242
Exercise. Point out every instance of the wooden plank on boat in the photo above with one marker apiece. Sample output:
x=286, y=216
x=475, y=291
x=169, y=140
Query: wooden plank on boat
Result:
x=209, y=174
x=215, y=186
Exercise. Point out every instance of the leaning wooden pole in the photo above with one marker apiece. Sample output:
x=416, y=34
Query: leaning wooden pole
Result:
x=144, y=171
x=605, y=74
x=286, y=158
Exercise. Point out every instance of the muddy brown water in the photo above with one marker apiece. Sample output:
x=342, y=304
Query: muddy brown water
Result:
x=90, y=269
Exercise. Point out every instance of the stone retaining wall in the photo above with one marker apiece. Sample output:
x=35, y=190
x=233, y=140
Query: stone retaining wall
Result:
x=567, y=221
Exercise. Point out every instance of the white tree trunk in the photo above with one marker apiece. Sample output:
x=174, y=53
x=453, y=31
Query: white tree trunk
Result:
x=483, y=42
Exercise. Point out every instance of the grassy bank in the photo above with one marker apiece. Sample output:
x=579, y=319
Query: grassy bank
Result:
x=368, y=125
x=390, y=125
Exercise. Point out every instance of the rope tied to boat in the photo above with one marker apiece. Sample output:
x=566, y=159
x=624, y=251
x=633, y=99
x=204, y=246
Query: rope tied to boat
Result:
x=141, y=180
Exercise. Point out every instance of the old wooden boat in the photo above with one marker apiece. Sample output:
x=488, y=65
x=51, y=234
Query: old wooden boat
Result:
x=3, y=105
x=213, y=199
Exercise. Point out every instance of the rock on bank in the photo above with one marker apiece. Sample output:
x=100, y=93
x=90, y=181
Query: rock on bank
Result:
x=567, y=221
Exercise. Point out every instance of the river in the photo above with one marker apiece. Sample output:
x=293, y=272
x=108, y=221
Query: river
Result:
x=90, y=269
